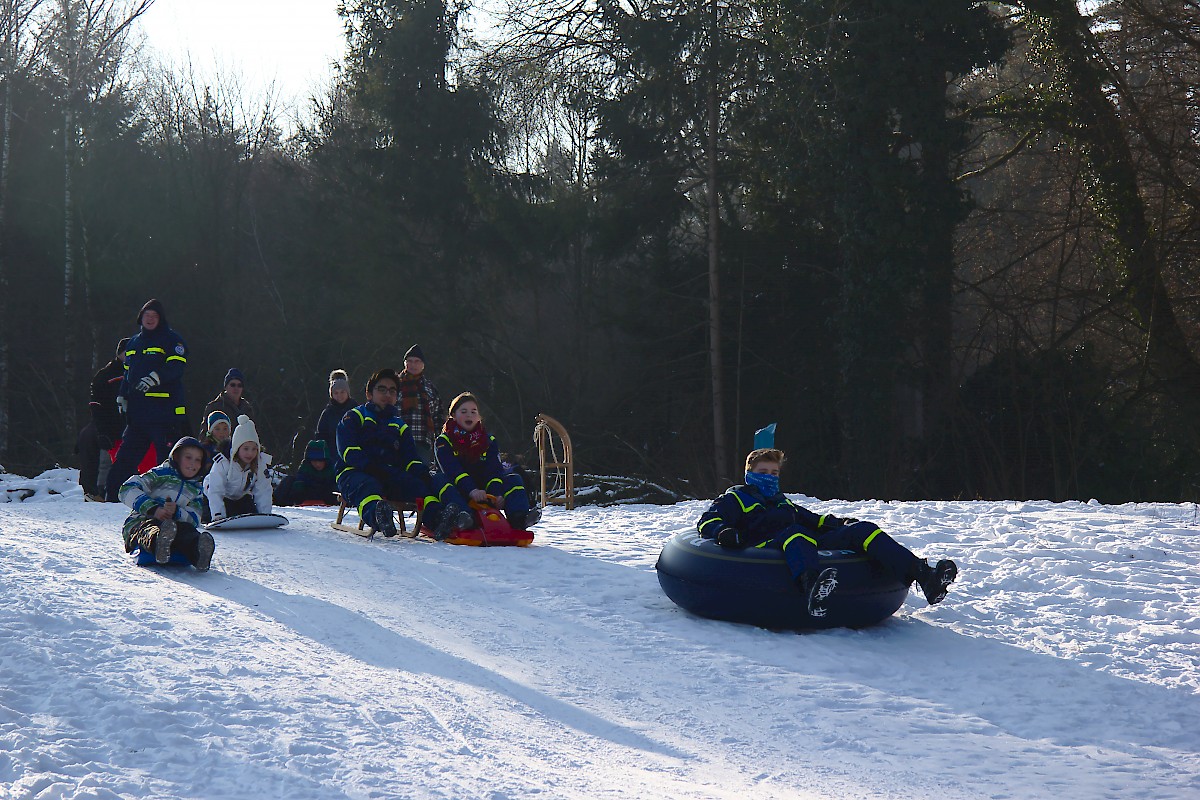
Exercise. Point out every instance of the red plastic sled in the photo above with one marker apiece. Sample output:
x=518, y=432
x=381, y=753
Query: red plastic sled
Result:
x=493, y=530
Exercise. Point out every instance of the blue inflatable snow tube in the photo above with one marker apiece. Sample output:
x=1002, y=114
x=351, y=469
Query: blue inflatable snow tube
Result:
x=755, y=586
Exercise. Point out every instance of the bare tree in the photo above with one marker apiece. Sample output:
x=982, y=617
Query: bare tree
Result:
x=90, y=38
x=17, y=53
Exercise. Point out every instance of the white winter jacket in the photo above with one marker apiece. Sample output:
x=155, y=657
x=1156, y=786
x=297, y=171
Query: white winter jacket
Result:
x=229, y=480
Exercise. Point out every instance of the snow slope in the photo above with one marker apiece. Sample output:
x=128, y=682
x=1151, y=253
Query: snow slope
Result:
x=311, y=663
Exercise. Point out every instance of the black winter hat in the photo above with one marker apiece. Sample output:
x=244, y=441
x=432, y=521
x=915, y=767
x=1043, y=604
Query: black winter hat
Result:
x=415, y=352
x=154, y=305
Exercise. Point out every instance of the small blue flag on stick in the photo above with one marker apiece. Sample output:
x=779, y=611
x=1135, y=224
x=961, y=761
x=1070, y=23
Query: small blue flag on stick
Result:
x=764, y=437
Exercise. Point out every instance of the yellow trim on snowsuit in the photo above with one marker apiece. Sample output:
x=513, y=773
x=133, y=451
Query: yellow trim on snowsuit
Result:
x=871, y=538
x=792, y=538
x=363, y=503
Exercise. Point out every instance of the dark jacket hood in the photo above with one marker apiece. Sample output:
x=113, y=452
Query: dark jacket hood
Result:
x=155, y=305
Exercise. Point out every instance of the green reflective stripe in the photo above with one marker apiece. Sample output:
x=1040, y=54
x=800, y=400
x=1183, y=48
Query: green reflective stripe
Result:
x=442, y=492
x=761, y=545
x=130, y=353
x=821, y=521
x=422, y=463
x=871, y=538
x=361, y=418
x=430, y=499
x=177, y=358
x=150, y=350
x=180, y=410
x=338, y=477
x=514, y=489
x=460, y=477
x=708, y=522
x=366, y=500
x=158, y=394
x=347, y=450
x=792, y=538
x=494, y=480
x=393, y=425
x=746, y=509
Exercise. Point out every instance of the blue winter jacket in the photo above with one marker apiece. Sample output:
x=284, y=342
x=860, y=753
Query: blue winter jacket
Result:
x=376, y=441
x=161, y=351
x=760, y=518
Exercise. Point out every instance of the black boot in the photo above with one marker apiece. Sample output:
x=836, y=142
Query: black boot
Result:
x=205, y=546
x=385, y=518
x=935, y=580
x=817, y=587
x=447, y=521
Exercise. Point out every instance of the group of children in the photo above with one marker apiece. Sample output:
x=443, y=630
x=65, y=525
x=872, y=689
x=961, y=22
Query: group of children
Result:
x=376, y=461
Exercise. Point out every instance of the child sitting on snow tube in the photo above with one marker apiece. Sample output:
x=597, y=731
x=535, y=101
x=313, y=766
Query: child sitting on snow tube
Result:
x=238, y=482
x=166, y=509
x=757, y=514
x=470, y=457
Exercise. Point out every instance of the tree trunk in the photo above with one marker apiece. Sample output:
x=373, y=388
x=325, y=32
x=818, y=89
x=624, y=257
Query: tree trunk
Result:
x=10, y=46
x=68, y=211
x=716, y=366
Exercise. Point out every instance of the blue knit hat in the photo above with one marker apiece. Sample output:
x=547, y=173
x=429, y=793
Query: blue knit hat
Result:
x=317, y=450
x=234, y=374
x=212, y=419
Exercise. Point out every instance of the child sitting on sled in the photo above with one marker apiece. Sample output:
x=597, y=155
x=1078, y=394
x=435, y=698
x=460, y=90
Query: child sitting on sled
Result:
x=166, y=508
x=313, y=482
x=238, y=482
x=756, y=514
x=470, y=457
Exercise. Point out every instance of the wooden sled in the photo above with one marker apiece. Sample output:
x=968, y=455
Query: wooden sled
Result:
x=366, y=531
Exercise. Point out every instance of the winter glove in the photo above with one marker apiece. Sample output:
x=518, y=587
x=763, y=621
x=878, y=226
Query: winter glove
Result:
x=122, y=404
x=149, y=382
x=730, y=537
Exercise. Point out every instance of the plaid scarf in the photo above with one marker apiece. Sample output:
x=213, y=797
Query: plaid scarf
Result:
x=417, y=405
x=469, y=446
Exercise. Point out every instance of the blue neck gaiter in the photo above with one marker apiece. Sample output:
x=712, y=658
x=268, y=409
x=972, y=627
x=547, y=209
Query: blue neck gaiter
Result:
x=767, y=484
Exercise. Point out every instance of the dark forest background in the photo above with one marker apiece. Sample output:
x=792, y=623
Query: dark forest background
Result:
x=951, y=247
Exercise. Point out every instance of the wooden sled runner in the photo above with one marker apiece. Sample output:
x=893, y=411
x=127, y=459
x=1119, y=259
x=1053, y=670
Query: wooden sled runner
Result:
x=365, y=530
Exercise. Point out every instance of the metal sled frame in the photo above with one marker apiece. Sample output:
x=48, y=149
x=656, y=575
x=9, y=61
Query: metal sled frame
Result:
x=366, y=530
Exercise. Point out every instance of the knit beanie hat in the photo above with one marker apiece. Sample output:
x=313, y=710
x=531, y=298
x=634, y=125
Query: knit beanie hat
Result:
x=244, y=432
x=234, y=374
x=415, y=352
x=338, y=380
x=211, y=421
x=316, y=450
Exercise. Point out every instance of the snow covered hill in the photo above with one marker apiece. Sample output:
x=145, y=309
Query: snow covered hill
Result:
x=311, y=663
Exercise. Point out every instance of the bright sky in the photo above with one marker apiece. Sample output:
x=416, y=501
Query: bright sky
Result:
x=286, y=42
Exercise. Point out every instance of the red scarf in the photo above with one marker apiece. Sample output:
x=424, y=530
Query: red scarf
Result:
x=469, y=445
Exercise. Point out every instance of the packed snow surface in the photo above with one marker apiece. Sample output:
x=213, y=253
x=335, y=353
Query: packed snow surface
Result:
x=311, y=663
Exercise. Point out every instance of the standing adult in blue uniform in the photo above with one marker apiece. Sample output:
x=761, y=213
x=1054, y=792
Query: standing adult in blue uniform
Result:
x=377, y=459
x=151, y=394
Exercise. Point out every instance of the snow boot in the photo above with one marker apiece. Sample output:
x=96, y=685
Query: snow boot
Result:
x=463, y=520
x=817, y=589
x=935, y=580
x=163, y=540
x=533, y=517
x=385, y=518
x=448, y=521
x=205, y=546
